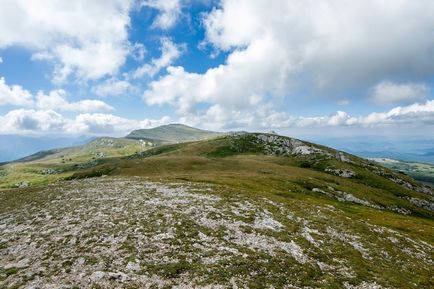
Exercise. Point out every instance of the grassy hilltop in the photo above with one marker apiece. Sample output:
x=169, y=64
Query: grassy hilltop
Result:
x=247, y=210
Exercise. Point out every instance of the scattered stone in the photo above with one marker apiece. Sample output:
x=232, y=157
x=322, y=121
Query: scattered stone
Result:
x=22, y=184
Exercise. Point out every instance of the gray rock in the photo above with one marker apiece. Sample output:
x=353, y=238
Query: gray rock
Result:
x=23, y=184
x=344, y=173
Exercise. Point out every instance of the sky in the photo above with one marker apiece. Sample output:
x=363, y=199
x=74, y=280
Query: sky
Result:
x=323, y=67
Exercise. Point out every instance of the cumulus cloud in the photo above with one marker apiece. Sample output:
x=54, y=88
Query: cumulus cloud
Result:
x=169, y=53
x=169, y=12
x=14, y=94
x=49, y=121
x=56, y=99
x=25, y=120
x=274, y=51
x=216, y=117
x=387, y=92
x=88, y=39
x=98, y=123
x=334, y=41
x=113, y=87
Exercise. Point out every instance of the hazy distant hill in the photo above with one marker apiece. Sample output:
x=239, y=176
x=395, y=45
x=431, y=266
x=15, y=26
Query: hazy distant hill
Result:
x=417, y=149
x=172, y=133
x=15, y=146
x=419, y=171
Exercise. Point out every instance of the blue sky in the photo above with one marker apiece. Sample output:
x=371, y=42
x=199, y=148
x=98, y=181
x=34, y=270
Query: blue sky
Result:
x=315, y=67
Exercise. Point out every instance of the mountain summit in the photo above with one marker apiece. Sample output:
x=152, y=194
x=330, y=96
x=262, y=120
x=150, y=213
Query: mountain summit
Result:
x=171, y=133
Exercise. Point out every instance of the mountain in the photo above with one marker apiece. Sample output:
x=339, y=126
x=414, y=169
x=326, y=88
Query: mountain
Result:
x=249, y=210
x=172, y=133
x=14, y=146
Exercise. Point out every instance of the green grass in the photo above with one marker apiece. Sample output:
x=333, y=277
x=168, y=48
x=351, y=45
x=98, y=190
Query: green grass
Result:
x=419, y=171
x=66, y=162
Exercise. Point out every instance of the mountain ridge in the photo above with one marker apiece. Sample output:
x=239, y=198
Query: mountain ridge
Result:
x=171, y=133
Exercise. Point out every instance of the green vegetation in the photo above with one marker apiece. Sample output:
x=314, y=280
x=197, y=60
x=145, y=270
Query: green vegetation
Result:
x=419, y=171
x=49, y=166
x=256, y=210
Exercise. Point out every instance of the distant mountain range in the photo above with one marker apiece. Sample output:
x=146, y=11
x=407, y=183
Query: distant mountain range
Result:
x=418, y=149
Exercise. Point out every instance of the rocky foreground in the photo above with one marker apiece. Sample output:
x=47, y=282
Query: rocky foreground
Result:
x=134, y=233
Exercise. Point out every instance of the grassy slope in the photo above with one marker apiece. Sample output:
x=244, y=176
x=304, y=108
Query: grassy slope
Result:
x=46, y=167
x=248, y=173
x=213, y=161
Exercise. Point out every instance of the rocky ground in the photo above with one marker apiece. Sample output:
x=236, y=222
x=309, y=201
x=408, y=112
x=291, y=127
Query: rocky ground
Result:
x=134, y=233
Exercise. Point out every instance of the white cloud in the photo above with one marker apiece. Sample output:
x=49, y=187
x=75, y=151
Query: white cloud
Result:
x=138, y=51
x=22, y=120
x=1, y=60
x=48, y=121
x=387, y=92
x=113, y=87
x=419, y=113
x=14, y=94
x=334, y=41
x=414, y=114
x=88, y=39
x=169, y=53
x=169, y=12
x=325, y=45
x=217, y=117
x=107, y=124
x=56, y=99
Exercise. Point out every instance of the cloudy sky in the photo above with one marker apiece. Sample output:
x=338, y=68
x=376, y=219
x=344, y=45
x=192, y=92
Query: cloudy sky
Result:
x=110, y=66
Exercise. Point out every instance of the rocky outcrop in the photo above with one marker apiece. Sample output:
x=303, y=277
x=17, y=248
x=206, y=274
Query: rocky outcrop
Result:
x=279, y=145
x=344, y=173
x=427, y=205
x=346, y=197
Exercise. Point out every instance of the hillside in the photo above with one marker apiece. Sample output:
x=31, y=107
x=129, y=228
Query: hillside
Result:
x=419, y=171
x=15, y=146
x=172, y=133
x=236, y=211
x=47, y=166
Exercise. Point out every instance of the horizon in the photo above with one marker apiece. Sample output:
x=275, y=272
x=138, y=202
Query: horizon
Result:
x=219, y=65
x=411, y=148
